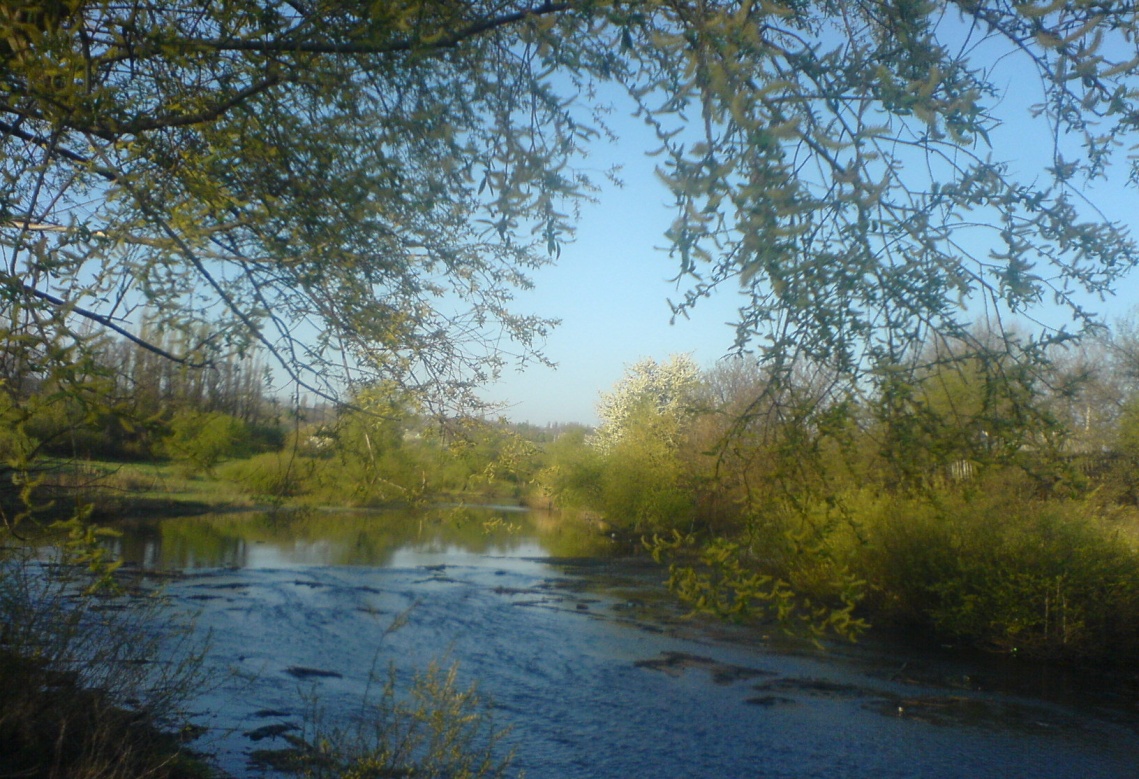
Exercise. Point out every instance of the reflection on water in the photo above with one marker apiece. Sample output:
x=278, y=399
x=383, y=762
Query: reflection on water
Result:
x=376, y=538
x=583, y=655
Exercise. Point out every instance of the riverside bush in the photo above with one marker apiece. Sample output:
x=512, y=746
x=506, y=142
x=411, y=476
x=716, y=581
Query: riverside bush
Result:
x=998, y=569
x=273, y=474
x=200, y=440
x=643, y=490
x=572, y=476
x=638, y=482
x=437, y=731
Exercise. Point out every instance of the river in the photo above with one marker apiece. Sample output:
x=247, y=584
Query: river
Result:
x=595, y=671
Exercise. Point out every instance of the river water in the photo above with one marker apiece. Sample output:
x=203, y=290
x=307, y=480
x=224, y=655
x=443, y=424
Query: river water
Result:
x=586, y=660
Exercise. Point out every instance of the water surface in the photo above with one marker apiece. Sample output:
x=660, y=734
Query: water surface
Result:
x=586, y=659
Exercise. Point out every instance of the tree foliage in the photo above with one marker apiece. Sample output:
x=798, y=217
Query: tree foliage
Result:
x=359, y=187
x=951, y=500
x=848, y=179
x=663, y=395
x=200, y=440
x=354, y=188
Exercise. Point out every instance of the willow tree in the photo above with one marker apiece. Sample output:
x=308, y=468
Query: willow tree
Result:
x=360, y=187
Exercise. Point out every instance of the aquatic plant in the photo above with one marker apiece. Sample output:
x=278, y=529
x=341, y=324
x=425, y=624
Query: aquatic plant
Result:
x=437, y=730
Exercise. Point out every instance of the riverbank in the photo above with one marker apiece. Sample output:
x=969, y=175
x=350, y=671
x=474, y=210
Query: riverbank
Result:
x=53, y=727
x=298, y=590
x=200, y=523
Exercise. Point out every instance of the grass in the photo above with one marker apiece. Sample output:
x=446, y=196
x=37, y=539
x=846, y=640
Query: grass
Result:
x=122, y=489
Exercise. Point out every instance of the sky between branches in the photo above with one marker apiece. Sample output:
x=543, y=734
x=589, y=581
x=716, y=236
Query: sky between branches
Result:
x=611, y=286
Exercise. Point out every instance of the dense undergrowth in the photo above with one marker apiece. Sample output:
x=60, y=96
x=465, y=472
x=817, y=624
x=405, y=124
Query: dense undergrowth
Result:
x=958, y=507
x=1053, y=579
x=1002, y=560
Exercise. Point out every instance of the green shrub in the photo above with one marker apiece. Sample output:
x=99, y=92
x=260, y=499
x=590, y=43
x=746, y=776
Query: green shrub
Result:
x=638, y=482
x=274, y=474
x=643, y=488
x=200, y=440
x=1046, y=578
x=573, y=471
x=439, y=731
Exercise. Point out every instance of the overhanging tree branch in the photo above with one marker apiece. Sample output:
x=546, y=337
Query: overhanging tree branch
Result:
x=106, y=322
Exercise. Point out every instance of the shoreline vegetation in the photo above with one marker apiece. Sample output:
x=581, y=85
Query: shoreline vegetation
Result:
x=80, y=642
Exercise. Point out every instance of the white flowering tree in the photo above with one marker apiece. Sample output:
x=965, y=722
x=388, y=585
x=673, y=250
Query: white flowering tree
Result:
x=668, y=390
x=643, y=484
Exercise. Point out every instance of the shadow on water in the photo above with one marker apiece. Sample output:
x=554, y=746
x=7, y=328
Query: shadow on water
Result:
x=591, y=663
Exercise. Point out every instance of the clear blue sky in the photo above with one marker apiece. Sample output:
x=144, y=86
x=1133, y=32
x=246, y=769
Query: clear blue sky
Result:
x=610, y=287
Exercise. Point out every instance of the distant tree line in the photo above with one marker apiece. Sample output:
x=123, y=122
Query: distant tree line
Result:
x=124, y=400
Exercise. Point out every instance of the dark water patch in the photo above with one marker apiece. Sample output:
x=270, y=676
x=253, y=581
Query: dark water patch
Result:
x=265, y=713
x=222, y=585
x=514, y=590
x=914, y=674
x=769, y=701
x=677, y=663
x=554, y=594
x=649, y=628
x=820, y=688
x=957, y=711
x=565, y=585
x=302, y=672
x=270, y=731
